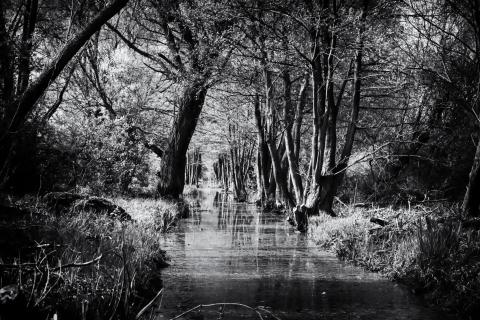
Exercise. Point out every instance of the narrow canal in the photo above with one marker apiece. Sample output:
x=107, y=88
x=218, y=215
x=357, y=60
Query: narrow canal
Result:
x=232, y=252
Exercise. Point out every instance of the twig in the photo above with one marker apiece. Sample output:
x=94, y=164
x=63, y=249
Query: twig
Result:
x=148, y=305
x=44, y=245
x=220, y=304
x=269, y=312
x=77, y=265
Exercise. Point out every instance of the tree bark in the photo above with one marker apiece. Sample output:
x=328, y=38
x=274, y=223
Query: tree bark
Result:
x=297, y=124
x=279, y=174
x=289, y=144
x=172, y=170
x=29, y=21
x=471, y=200
x=264, y=162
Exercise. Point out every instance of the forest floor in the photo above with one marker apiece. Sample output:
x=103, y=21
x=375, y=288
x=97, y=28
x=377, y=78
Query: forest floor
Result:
x=80, y=264
x=429, y=249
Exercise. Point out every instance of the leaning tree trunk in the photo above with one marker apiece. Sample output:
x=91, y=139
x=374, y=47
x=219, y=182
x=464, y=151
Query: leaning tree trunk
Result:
x=16, y=112
x=172, y=170
x=471, y=201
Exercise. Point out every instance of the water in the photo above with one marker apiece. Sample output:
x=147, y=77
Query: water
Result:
x=228, y=252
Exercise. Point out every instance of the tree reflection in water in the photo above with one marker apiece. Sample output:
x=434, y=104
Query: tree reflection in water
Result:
x=229, y=252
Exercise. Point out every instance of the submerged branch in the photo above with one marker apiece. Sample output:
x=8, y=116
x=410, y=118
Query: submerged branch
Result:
x=148, y=305
x=223, y=304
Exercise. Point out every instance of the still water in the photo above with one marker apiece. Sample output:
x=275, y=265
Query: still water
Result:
x=231, y=252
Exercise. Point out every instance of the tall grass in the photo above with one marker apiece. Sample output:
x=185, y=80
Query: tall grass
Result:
x=87, y=266
x=426, y=248
x=161, y=214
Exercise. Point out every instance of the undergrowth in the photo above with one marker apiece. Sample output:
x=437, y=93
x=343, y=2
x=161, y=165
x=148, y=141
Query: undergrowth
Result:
x=429, y=249
x=83, y=265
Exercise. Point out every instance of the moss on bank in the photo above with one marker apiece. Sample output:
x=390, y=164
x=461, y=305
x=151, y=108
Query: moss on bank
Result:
x=427, y=248
x=83, y=264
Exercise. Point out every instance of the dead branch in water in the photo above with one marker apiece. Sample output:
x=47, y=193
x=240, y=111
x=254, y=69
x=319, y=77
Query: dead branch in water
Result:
x=223, y=304
x=148, y=305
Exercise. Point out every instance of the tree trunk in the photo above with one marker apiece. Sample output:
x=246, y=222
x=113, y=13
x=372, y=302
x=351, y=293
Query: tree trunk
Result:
x=330, y=183
x=279, y=174
x=264, y=161
x=289, y=144
x=260, y=187
x=316, y=80
x=29, y=21
x=172, y=169
x=471, y=201
x=297, y=124
x=320, y=194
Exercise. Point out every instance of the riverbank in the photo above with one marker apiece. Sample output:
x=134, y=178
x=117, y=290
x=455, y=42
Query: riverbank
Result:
x=426, y=248
x=82, y=264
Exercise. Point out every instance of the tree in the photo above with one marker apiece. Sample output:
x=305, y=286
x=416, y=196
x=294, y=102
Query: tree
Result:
x=188, y=39
x=277, y=47
x=18, y=102
x=451, y=30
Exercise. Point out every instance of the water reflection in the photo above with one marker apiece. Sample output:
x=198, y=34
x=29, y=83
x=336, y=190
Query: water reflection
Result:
x=228, y=252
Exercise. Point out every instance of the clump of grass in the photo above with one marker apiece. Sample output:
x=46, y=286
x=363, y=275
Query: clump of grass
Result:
x=190, y=190
x=426, y=248
x=85, y=265
x=162, y=214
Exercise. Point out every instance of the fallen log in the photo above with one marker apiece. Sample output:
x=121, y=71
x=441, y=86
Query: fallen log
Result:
x=379, y=221
x=100, y=205
x=65, y=202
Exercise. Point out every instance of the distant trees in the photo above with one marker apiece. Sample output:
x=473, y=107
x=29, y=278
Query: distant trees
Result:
x=186, y=45
x=303, y=70
x=194, y=167
x=222, y=171
x=242, y=148
x=234, y=163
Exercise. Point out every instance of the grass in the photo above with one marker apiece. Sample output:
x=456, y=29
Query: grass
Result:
x=190, y=190
x=84, y=265
x=427, y=248
x=162, y=214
